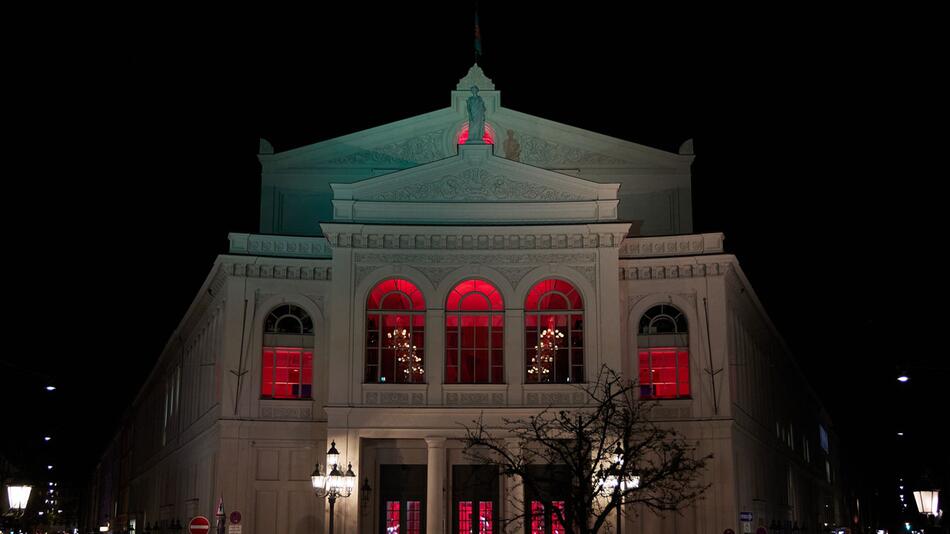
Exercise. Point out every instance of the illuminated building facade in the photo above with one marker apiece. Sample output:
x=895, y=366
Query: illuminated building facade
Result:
x=407, y=279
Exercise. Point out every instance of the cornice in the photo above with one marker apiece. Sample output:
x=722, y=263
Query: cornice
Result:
x=700, y=268
x=279, y=246
x=676, y=245
x=476, y=238
x=267, y=268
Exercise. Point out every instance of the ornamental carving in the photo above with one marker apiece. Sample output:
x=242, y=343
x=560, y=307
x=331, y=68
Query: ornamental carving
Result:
x=660, y=272
x=476, y=184
x=425, y=148
x=542, y=153
x=512, y=267
x=277, y=271
x=285, y=412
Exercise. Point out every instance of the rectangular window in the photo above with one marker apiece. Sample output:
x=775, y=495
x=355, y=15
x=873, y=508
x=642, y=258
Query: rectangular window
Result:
x=664, y=373
x=465, y=517
x=414, y=517
x=485, y=517
x=392, y=516
x=823, y=438
x=286, y=373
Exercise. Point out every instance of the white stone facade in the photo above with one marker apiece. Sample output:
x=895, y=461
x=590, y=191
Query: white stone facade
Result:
x=404, y=200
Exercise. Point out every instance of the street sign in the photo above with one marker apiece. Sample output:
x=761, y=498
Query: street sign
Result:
x=761, y=530
x=235, y=518
x=234, y=529
x=745, y=516
x=199, y=525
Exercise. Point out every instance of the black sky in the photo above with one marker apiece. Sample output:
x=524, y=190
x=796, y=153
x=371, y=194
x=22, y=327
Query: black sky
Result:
x=132, y=152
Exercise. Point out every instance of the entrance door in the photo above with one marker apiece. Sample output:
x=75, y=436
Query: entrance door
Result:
x=402, y=499
x=474, y=499
x=547, y=497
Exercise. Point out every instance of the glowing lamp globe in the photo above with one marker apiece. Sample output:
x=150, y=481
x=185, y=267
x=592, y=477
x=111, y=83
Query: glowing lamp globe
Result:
x=333, y=455
x=18, y=496
x=318, y=480
x=927, y=501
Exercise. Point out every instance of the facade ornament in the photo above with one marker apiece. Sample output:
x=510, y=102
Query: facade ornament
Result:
x=476, y=118
x=476, y=184
x=512, y=147
x=477, y=78
x=425, y=148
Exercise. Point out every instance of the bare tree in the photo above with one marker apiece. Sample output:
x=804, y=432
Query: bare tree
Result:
x=579, y=466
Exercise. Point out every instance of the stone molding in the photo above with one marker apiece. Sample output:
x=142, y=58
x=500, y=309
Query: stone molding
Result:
x=473, y=238
x=682, y=245
x=287, y=410
x=476, y=184
x=547, y=153
x=475, y=394
x=395, y=394
x=514, y=267
x=671, y=271
x=279, y=246
x=278, y=271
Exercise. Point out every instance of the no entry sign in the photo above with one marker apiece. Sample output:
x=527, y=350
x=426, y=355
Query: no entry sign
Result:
x=199, y=525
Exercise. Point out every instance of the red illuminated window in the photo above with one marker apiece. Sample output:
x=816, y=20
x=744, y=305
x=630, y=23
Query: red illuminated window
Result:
x=395, y=333
x=485, y=517
x=538, y=517
x=554, y=333
x=287, y=355
x=474, y=334
x=663, y=354
x=413, y=517
x=392, y=516
x=465, y=517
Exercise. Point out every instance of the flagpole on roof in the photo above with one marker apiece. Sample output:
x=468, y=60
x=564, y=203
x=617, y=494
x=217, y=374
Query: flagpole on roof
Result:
x=478, y=36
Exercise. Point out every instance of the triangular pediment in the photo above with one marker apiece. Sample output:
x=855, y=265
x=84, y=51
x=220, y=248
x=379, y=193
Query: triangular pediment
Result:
x=470, y=187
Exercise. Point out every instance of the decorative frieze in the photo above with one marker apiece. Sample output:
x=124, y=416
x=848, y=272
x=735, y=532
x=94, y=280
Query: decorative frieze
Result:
x=472, y=239
x=278, y=271
x=555, y=398
x=477, y=184
x=279, y=246
x=385, y=397
x=296, y=413
x=668, y=271
x=685, y=245
x=546, y=153
x=425, y=148
x=474, y=399
x=512, y=266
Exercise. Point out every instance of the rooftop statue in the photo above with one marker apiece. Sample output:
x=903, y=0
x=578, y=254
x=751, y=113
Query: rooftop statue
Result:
x=476, y=117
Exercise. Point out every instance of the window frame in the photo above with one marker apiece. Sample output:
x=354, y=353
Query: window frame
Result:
x=570, y=312
x=301, y=341
x=651, y=342
x=455, y=353
x=416, y=333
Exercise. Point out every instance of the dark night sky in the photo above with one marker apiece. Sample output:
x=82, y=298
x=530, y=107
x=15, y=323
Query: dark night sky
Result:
x=132, y=152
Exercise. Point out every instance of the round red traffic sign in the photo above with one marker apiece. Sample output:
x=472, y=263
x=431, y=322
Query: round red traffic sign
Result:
x=199, y=525
x=235, y=518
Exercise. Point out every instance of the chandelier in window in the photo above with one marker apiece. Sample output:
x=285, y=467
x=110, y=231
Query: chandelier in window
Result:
x=544, y=351
x=406, y=355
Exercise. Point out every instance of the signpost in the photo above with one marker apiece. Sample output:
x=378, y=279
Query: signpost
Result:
x=199, y=525
x=746, y=519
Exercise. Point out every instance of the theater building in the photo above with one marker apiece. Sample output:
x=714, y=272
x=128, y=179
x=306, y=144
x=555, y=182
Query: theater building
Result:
x=398, y=288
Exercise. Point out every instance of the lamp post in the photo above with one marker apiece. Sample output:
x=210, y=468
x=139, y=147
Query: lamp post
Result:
x=335, y=484
x=927, y=503
x=18, y=495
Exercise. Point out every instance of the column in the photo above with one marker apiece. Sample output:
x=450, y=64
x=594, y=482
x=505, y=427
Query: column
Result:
x=435, y=486
x=515, y=506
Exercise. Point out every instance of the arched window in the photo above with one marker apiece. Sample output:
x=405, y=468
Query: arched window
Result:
x=554, y=333
x=395, y=333
x=474, y=334
x=287, y=355
x=663, y=347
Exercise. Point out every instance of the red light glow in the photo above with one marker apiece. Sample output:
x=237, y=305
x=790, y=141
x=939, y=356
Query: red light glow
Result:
x=488, y=138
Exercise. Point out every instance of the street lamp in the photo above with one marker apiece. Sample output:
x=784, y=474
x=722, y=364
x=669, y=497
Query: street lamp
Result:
x=927, y=501
x=335, y=484
x=18, y=495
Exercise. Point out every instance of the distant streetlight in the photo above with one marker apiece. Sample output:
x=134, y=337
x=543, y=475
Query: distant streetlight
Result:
x=903, y=378
x=335, y=484
x=47, y=438
x=50, y=388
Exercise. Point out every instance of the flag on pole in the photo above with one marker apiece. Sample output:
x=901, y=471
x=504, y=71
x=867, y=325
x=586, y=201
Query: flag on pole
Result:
x=478, y=38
